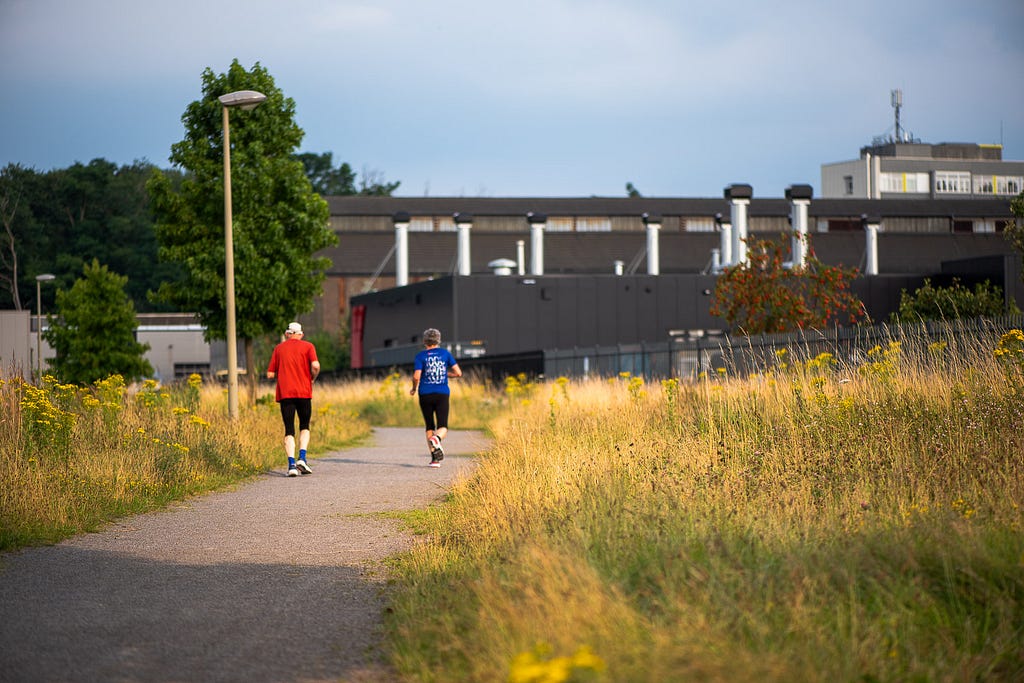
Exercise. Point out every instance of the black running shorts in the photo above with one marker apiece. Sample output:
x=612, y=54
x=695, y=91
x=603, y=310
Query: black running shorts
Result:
x=435, y=411
x=290, y=407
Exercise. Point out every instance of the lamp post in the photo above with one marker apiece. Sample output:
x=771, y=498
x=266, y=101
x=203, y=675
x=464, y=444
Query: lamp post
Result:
x=245, y=100
x=45, y=277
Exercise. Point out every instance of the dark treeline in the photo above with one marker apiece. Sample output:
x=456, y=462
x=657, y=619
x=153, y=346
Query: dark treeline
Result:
x=57, y=221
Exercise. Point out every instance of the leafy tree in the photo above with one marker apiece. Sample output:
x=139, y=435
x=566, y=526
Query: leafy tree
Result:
x=341, y=181
x=11, y=197
x=956, y=301
x=372, y=184
x=279, y=221
x=325, y=179
x=60, y=220
x=764, y=296
x=632, y=192
x=1015, y=230
x=93, y=333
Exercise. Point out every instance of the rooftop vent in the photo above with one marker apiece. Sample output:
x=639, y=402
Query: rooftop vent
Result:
x=502, y=266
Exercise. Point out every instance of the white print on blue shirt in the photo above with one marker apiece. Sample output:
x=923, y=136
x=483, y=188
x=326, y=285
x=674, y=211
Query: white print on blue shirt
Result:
x=435, y=371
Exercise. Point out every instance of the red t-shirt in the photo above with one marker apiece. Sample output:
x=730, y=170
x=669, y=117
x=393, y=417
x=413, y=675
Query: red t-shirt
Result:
x=290, y=364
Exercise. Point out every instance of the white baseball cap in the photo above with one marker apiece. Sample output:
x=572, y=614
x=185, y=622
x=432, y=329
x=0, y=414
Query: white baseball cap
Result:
x=294, y=328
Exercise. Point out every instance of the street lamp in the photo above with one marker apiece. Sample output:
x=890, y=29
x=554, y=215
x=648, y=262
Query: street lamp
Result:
x=245, y=100
x=45, y=277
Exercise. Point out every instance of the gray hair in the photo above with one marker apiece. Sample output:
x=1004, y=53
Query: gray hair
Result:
x=431, y=336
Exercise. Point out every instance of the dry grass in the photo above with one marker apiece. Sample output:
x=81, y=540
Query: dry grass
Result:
x=817, y=522
x=74, y=458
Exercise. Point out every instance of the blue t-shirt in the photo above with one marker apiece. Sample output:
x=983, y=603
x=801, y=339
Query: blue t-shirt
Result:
x=433, y=365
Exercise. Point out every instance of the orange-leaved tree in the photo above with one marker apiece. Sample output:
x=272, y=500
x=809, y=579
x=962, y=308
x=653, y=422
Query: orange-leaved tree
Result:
x=766, y=295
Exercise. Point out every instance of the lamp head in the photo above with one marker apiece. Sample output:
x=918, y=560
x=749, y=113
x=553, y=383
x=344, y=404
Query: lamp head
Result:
x=243, y=99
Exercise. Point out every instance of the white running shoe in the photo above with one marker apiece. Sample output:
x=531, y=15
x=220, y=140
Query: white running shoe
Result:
x=436, y=452
x=293, y=472
x=303, y=467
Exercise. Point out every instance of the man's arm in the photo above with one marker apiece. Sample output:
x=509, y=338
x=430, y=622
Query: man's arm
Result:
x=314, y=370
x=455, y=371
x=415, y=381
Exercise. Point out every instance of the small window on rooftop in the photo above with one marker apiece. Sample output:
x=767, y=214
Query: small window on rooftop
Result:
x=848, y=184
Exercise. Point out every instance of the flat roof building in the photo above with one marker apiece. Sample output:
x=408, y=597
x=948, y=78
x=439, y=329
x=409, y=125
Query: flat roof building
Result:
x=915, y=170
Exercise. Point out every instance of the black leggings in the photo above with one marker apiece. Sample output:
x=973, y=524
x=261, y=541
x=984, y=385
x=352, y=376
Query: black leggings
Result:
x=431, y=405
x=303, y=407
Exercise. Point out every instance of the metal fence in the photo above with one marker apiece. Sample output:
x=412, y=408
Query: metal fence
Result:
x=689, y=359
x=692, y=358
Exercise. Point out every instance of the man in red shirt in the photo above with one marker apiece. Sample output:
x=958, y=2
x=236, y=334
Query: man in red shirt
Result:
x=295, y=366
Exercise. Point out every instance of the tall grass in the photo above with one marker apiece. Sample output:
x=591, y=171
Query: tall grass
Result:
x=817, y=522
x=387, y=403
x=73, y=458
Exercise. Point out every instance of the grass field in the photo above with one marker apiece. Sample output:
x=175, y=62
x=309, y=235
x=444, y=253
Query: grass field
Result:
x=816, y=522
x=819, y=521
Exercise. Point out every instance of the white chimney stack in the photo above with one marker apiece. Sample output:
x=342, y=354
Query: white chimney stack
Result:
x=463, y=223
x=653, y=224
x=401, y=220
x=725, y=241
x=521, y=257
x=537, y=224
x=871, y=225
x=739, y=198
x=800, y=197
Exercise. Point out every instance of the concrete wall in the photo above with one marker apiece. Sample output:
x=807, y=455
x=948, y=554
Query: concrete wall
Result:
x=17, y=344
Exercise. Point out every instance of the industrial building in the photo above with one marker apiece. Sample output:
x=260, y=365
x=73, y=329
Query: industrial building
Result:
x=509, y=276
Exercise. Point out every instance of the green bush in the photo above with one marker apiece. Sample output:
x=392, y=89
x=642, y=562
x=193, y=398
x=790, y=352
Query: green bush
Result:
x=956, y=301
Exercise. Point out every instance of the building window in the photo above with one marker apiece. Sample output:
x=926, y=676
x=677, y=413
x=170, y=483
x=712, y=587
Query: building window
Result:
x=910, y=183
x=848, y=184
x=697, y=224
x=445, y=224
x=183, y=370
x=963, y=226
x=843, y=225
x=421, y=224
x=952, y=182
x=998, y=184
x=593, y=224
x=559, y=224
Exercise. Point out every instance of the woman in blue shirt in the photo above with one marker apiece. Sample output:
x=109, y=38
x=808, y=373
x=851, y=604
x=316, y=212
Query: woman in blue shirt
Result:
x=432, y=368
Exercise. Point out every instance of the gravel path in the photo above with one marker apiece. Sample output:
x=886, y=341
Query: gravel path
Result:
x=278, y=580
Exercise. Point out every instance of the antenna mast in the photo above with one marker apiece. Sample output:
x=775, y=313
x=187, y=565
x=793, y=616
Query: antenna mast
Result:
x=897, y=102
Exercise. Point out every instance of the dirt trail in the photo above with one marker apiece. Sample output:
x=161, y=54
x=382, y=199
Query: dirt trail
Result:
x=278, y=580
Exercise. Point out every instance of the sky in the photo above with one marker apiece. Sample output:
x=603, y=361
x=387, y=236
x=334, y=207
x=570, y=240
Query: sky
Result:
x=532, y=98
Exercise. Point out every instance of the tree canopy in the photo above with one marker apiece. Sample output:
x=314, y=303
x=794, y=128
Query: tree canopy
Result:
x=93, y=332
x=60, y=220
x=279, y=222
x=341, y=181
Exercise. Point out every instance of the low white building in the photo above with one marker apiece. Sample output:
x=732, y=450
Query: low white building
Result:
x=176, y=345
